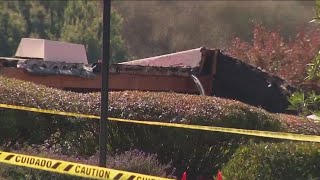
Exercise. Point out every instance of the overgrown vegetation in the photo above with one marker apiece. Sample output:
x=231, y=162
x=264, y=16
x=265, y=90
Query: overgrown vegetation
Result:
x=296, y=60
x=305, y=103
x=79, y=137
x=287, y=160
x=311, y=103
x=292, y=60
x=270, y=51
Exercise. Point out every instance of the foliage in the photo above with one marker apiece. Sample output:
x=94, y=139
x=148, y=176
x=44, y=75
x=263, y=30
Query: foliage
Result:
x=287, y=59
x=138, y=161
x=159, y=27
x=71, y=21
x=133, y=160
x=310, y=104
x=287, y=160
x=317, y=17
x=12, y=28
x=43, y=19
x=83, y=24
x=79, y=137
x=271, y=52
x=305, y=104
x=72, y=136
x=313, y=69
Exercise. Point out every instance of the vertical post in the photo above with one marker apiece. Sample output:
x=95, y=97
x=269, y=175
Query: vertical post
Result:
x=104, y=83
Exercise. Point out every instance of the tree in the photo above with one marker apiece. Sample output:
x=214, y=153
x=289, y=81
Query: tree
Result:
x=38, y=19
x=71, y=21
x=83, y=24
x=43, y=19
x=55, y=10
x=12, y=29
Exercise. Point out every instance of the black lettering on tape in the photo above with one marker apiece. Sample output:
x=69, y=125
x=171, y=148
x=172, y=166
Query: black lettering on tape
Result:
x=131, y=177
x=18, y=158
x=26, y=160
x=9, y=157
x=100, y=173
x=92, y=172
x=33, y=161
x=118, y=176
x=143, y=178
x=37, y=163
x=42, y=163
x=48, y=164
x=23, y=160
x=86, y=171
x=68, y=167
x=107, y=174
x=77, y=170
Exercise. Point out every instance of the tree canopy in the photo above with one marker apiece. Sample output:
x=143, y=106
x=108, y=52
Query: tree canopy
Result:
x=70, y=21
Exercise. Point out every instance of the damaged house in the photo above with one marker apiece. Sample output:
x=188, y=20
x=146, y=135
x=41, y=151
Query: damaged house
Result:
x=197, y=71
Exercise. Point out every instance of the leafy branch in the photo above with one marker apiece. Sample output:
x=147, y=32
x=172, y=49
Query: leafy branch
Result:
x=310, y=103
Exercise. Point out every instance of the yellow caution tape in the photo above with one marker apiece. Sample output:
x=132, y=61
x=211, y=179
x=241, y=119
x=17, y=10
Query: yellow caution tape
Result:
x=70, y=168
x=23, y=108
x=268, y=134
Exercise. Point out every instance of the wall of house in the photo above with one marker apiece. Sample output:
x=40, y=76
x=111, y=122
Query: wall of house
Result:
x=117, y=82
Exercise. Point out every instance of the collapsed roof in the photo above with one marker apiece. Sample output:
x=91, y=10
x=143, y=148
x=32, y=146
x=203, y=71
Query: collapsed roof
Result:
x=231, y=77
x=197, y=61
x=184, y=59
x=220, y=74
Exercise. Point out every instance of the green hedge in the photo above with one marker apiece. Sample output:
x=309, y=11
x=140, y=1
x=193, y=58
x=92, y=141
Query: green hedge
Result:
x=204, y=152
x=287, y=160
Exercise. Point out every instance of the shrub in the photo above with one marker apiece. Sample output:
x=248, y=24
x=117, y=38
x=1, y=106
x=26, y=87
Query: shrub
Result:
x=271, y=52
x=305, y=103
x=66, y=135
x=308, y=103
x=140, y=162
x=209, y=152
x=288, y=59
x=24, y=126
x=287, y=160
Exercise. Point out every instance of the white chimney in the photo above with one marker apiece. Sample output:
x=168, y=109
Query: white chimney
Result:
x=48, y=50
